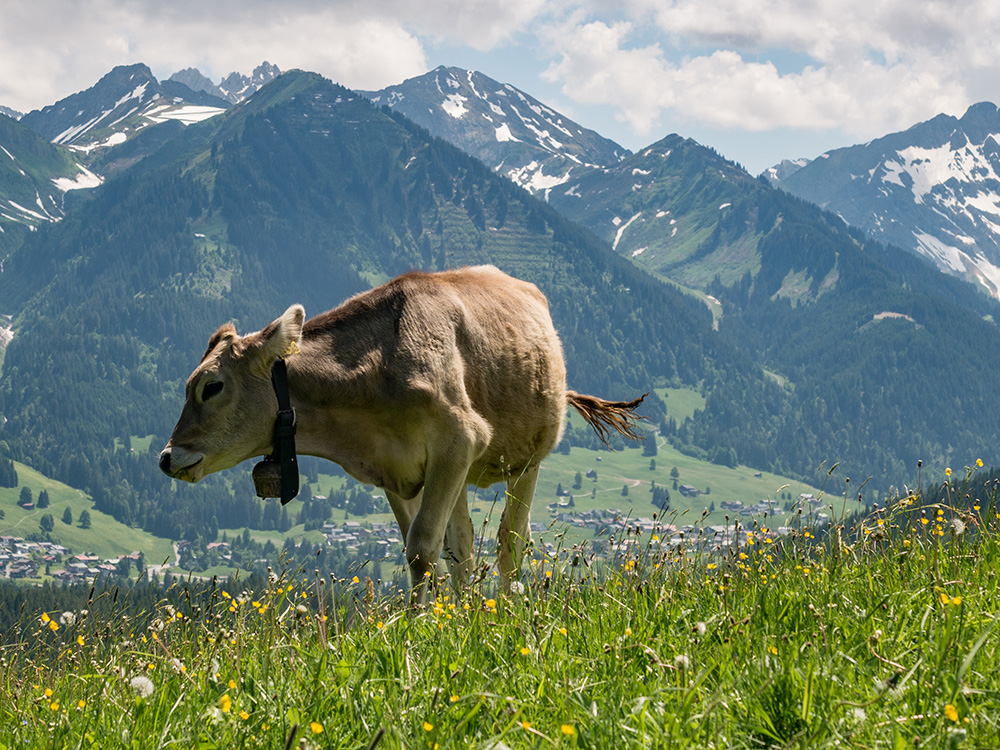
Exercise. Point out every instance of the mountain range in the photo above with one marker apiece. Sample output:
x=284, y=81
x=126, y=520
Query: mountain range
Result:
x=811, y=342
x=933, y=189
x=509, y=130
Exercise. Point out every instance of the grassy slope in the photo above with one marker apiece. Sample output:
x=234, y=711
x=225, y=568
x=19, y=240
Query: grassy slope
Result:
x=885, y=642
x=106, y=537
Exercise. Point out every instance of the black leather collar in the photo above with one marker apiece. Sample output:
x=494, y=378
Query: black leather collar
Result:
x=282, y=461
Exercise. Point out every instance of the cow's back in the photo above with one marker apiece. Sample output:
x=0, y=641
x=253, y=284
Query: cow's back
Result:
x=507, y=358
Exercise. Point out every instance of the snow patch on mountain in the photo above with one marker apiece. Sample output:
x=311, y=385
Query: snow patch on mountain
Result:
x=83, y=180
x=504, y=135
x=454, y=105
x=622, y=228
x=186, y=114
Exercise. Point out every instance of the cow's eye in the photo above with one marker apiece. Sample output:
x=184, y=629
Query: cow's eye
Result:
x=211, y=389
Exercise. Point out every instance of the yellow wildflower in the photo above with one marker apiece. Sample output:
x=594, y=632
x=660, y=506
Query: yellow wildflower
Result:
x=316, y=727
x=951, y=712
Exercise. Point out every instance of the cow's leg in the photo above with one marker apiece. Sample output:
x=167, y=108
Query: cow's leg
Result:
x=514, y=532
x=403, y=510
x=458, y=543
x=444, y=483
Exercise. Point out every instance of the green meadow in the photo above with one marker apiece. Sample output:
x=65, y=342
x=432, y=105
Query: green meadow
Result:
x=876, y=635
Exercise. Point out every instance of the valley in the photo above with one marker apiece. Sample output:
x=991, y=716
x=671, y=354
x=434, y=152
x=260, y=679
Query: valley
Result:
x=799, y=342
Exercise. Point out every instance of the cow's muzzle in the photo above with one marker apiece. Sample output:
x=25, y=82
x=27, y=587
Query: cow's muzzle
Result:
x=180, y=463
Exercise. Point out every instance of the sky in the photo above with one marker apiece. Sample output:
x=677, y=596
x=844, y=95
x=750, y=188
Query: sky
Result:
x=757, y=80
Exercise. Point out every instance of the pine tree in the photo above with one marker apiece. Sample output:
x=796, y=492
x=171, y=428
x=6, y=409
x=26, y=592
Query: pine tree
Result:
x=67, y=517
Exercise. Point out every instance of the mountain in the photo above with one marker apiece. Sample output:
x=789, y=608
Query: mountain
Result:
x=122, y=103
x=304, y=192
x=234, y=88
x=512, y=132
x=13, y=113
x=859, y=335
x=933, y=189
x=659, y=206
x=35, y=177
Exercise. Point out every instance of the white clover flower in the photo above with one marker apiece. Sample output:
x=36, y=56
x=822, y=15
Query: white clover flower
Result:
x=142, y=685
x=681, y=661
x=701, y=627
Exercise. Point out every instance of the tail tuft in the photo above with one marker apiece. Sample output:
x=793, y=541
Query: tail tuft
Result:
x=604, y=415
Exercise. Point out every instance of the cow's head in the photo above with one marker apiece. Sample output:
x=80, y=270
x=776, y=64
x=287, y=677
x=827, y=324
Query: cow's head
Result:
x=229, y=408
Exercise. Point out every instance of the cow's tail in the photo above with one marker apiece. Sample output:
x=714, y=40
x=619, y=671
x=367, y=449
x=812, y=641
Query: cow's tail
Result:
x=604, y=416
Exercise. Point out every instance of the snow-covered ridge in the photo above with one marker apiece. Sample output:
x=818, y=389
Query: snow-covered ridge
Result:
x=934, y=189
x=520, y=137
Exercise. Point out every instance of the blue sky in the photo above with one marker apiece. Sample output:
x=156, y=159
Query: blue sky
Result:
x=758, y=80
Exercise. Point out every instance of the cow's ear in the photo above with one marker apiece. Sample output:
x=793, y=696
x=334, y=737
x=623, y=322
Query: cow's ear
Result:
x=281, y=337
x=226, y=335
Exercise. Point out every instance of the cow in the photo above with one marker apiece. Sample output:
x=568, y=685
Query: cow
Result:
x=421, y=386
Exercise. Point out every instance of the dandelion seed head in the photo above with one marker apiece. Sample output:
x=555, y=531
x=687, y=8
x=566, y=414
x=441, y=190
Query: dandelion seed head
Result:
x=142, y=686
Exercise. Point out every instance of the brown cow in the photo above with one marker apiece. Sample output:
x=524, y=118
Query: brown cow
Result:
x=422, y=386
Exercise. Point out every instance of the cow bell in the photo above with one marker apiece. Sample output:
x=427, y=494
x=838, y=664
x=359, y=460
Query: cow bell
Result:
x=267, y=478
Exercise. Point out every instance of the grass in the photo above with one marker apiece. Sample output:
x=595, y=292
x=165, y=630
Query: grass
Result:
x=106, y=538
x=881, y=635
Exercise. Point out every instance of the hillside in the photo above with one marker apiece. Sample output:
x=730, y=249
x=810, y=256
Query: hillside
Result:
x=35, y=176
x=931, y=189
x=303, y=193
x=862, y=337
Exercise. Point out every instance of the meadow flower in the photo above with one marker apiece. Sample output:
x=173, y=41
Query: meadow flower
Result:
x=568, y=729
x=225, y=703
x=516, y=587
x=68, y=618
x=951, y=712
x=315, y=727
x=428, y=726
x=143, y=686
x=681, y=661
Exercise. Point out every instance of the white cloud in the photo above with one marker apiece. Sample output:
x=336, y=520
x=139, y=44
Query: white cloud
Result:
x=52, y=48
x=863, y=66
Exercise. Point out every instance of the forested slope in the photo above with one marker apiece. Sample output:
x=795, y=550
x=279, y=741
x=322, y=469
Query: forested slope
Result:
x=304, y=193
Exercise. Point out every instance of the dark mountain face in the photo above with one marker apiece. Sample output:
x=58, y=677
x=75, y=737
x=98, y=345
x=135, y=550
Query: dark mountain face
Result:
x=513, y=133
x=933, y=189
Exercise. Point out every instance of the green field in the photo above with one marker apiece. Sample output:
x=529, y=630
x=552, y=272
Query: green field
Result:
x=106, y=538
